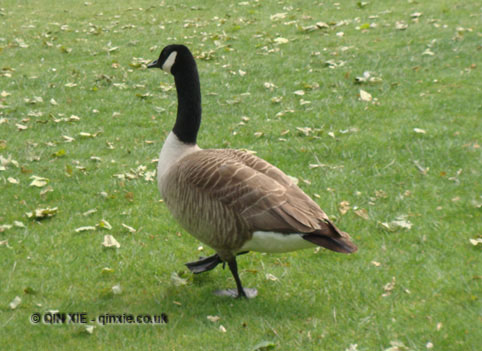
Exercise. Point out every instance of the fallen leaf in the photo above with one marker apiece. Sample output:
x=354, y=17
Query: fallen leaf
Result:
x=4, y=242
x=397, y=346
x=18, y=224
x=89, y=329
x=222, y=329
x=104, y=224
x=281, y=41
x=476, y=242
x=305, y=130
x=132, y=230
x=4, y=227
x=15, y=302
x=271, y=277
x=109, y=241
x=84, y=229
x=363, y=213
x=375, y=263
x=41, y=213
x=60, y=153
x=269, y=85
x=388, y=288
x=344, y=207
x=38, y=182
x=364, y=96
x=46, y=190
x=106, y=271
x=68, y=139
x=420, y=168
x=12, y=180
x=213, y=318
x=116, y=289
x=278, y=16
x=367, y=77
x=397, y=223
x=177, y=280
x=400, y=25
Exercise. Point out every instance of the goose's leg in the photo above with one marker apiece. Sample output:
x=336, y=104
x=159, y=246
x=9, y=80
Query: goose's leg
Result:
x=233, y=267
x=241, y=292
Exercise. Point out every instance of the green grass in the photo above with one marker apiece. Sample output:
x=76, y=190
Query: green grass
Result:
x=321, y=300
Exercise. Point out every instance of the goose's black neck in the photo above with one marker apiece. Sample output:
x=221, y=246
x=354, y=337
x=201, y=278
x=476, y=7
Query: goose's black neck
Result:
x=189, y=102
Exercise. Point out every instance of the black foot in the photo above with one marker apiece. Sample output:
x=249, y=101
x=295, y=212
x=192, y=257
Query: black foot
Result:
x=204, y=264
x=248, y=293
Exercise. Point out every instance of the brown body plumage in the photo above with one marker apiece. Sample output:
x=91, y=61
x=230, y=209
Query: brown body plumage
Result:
x=223, y=196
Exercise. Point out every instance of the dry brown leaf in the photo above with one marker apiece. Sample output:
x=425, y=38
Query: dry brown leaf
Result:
x=419, y=131
x=41, y=213
x=363, y=213
x=109, y=241
x=38, y=182
x=364, y=96
x=116, y=289
x=476, y=242
x=15, y=302
x=84, y=229
x=132, y=230
x=344, y=207
x=305, y=130
x=278, y=16
x=281, y=40
x=400, y=25
x=104, y=224
x=421, y=169
x=177, y=280
x=388, y=288
x=12, y=180
x=213, y=318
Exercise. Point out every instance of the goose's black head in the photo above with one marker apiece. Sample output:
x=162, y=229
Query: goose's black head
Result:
x=173, y=58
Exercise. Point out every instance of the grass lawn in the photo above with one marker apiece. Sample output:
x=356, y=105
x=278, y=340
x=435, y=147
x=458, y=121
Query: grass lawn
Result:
x=392, y=155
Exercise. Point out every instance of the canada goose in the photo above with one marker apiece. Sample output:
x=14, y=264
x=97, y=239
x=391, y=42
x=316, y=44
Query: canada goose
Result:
x=231, y=200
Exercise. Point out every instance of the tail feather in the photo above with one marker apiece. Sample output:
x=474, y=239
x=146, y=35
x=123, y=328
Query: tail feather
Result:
x=341, y=244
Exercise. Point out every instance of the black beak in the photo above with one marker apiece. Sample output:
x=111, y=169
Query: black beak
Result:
x=153, y=64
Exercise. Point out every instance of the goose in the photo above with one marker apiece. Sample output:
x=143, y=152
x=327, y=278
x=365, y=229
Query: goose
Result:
x=231, y=200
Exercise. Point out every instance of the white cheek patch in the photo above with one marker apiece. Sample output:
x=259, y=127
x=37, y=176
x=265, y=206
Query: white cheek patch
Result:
x=169, y=62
